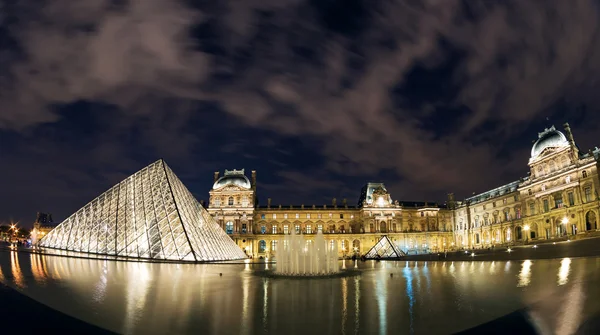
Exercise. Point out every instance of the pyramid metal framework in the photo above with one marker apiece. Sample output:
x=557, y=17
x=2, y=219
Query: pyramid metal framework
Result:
x=149, y=215
x=384, y=248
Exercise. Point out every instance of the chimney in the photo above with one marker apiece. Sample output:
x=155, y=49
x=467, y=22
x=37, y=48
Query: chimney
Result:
x=216, y=177
x=334, y=202
x=345, y=202
x=268, y=202
x=569, y=133
x=254, y=179
x=302, y=206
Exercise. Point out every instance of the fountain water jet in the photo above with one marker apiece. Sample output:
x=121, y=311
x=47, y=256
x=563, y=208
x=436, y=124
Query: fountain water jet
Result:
x=298, y=257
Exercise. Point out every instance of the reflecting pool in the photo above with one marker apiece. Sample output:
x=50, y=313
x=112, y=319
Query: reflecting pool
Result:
x=386, y=298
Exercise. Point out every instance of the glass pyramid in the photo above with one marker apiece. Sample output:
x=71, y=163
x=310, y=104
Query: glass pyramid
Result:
x=384, y=249
x=149, y=215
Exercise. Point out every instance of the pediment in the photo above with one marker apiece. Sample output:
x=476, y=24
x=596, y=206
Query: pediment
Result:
x=547, y=152
x=231, y=187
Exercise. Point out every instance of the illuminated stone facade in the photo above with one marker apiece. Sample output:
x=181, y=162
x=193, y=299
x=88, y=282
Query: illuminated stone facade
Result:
x=416, y=227
x=558, y=199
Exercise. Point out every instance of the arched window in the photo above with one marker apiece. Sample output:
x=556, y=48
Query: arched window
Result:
x=229, y=227
x=230, y=201
x=262, y=246
x=217, y=202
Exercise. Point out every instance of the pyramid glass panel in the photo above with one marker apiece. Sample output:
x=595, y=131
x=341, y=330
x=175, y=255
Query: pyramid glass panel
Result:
x=384, y=249
x=152, y=215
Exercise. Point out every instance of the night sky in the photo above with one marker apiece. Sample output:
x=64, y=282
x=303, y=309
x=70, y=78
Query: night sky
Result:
x=318, y=96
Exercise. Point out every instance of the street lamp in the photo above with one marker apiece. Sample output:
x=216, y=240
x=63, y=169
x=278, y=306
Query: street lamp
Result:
x=526, y=229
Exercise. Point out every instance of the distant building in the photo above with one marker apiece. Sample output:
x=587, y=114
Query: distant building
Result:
x=43, y=224
x=558, y=199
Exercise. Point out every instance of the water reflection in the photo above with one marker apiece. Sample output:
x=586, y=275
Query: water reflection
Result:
x=421, y=298
x=570, y=316
x=246, y=327
x=525, y=274
x=407, y=273
x=563, y=271
x=357, y=305
x=16, y=269
x=344, y=304
x=381, y=294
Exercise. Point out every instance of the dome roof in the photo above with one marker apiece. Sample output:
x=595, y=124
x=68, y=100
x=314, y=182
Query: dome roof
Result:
x=235, y=177
x=549, y=138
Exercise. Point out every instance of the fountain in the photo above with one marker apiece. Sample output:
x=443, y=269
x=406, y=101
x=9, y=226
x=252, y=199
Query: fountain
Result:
x=299, y=257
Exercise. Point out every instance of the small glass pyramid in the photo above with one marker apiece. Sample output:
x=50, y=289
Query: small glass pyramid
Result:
x=149, y=215
x=384, y=249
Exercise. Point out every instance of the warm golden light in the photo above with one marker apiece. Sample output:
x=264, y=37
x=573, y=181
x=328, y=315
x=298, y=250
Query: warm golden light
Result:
x=565, y=220
x=525, y=274
x=526, y=227
x=563, y=272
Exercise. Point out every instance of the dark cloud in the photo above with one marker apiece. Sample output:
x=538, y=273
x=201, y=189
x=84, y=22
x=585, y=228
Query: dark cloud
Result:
x=438, y=96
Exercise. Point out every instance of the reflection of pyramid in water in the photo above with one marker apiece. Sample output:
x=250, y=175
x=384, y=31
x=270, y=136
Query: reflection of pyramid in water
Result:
x=384, y=249
x=151, y=215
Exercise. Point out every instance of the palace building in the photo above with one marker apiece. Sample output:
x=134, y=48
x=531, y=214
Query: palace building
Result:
x=558, y=199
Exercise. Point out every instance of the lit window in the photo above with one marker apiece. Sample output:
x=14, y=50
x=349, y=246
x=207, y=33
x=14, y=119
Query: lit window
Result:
x=588, y=194
x=330, y=215
x=262, y=246
x=319, y=216
x=274, y=229
x=308, y=215
x=532, y=208
x=571, y=199
x=274, y=245
x=352, y=216
x=558, y=202
x=308, y=229
x=343, y=245
x=230, y=201
x=217, y=202
x=286, y=229
x=297, y=215
x=297, y=227
x=274, y=216
x=320, y=228
x=285, y=216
